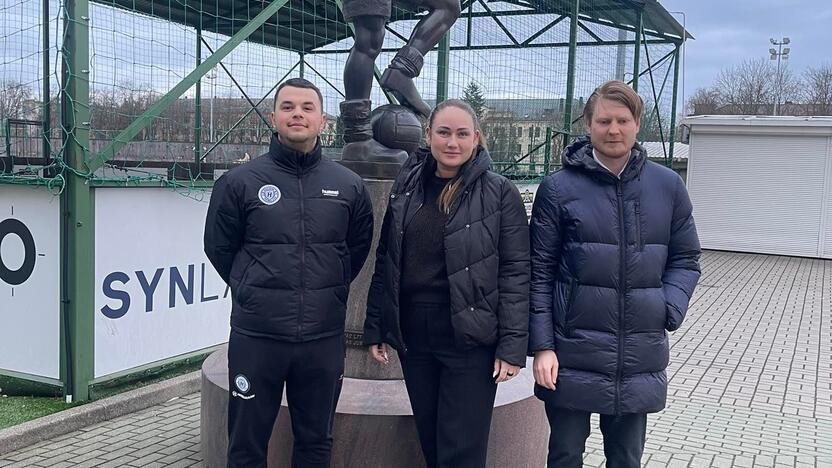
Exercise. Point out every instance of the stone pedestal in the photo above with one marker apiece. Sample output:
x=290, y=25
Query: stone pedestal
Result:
x=374, y=426
x=359, y=364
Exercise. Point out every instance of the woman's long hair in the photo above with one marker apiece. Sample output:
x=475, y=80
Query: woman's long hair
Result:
x=449, y=193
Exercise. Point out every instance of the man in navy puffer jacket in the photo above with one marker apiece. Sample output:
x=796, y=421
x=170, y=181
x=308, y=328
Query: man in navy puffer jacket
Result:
x=615, y=260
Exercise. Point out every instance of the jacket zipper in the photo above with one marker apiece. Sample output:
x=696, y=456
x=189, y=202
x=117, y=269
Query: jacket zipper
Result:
x=622, y=245
x=400, y=242
x=302, y=254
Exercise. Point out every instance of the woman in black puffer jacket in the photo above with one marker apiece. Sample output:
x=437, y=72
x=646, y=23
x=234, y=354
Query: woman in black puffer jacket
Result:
x=450, y=287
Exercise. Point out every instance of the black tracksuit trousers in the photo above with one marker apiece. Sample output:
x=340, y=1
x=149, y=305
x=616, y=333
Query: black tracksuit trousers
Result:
x=258, y=368
x=451, y=390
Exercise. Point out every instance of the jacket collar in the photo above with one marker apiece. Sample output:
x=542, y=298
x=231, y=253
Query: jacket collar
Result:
x=293, y=160
x=579, y=156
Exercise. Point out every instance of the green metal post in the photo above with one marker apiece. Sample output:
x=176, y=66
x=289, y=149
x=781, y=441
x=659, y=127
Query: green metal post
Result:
x=570, y=72
x=302, y=62
x=180, y=88
x=78, y=216
x=198, y=101
x=469, y=25
x=547, y=151
x=637, y=51
x=442, y=68
x=45, y=111
x=673, y=103
x=8, y=127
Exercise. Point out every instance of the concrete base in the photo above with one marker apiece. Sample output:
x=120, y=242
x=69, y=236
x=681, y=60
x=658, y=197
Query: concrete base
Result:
x=374, y=426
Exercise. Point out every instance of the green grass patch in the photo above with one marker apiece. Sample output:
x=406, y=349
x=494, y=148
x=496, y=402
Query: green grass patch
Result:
x=22, y=400
x=19, y=409
x=147, y=377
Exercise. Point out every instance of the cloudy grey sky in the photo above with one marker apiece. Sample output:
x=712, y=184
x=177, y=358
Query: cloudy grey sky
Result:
x=130, y=48
x=730, y=31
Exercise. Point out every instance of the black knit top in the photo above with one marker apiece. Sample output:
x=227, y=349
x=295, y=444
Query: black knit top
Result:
x=424, y=276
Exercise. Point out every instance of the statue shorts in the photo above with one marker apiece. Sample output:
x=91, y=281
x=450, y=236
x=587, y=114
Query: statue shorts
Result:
x=356, y=8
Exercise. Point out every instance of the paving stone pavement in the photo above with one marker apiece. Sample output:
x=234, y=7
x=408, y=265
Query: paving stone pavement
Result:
x=750, y=384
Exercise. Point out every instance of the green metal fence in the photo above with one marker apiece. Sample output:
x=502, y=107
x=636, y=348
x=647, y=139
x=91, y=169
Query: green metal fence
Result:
x=165, y=92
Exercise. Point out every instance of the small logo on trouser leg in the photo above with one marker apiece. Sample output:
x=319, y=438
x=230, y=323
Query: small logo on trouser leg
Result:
x=243, y=387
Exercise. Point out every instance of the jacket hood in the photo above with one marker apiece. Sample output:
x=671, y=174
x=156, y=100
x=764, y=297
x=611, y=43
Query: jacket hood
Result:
x=578, y=155
x=291, y=159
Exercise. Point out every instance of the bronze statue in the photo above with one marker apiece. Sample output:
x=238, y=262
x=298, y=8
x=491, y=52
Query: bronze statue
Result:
x=368, y=18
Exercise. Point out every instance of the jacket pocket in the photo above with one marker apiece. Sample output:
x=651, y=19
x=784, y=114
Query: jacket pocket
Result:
x=564, y=291
x=243, y=281
x=347, y=270
x=475, y=326
x=637, y=226
x=572, y=286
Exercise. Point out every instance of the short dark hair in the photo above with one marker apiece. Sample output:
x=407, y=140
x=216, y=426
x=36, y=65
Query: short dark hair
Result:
x=300, y=83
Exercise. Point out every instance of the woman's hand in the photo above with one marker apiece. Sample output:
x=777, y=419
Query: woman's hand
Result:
x=546, y=368
x=379, y=353
x=504, y=371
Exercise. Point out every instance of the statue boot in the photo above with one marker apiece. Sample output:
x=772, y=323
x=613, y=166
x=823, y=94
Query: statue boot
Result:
x=398, y=79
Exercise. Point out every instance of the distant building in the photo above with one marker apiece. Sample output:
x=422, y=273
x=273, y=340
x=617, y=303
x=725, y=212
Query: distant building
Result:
x=516, y=128
x=787, y=108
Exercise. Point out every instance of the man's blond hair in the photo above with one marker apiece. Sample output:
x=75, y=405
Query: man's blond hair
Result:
x=616, y=91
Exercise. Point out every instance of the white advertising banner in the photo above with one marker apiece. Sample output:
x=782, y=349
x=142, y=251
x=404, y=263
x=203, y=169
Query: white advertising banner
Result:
x=30, y=281
x=156, y=294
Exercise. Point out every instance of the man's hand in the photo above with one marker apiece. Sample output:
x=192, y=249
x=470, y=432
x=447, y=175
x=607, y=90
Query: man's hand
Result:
x=546, y=368
x=379, y=353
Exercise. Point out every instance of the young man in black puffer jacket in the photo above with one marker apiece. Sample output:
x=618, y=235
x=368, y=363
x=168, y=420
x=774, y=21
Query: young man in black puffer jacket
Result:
x=615, y=260
x=288, y=232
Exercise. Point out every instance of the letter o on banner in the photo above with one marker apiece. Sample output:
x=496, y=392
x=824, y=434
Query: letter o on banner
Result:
x=15, y=277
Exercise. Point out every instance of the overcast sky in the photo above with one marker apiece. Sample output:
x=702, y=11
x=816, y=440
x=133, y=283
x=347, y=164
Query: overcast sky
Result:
x=155, y=53
x=730, y=31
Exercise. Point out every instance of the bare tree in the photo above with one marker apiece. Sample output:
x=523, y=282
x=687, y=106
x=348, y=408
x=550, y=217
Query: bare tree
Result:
x=651, y=127
x=704, y=101
x=115, y=108
x=751, y=87
x=13, y=99
x=818, y=89
x=791, y=89
x=747, y=87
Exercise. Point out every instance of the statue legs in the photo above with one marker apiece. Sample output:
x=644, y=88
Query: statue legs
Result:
x=368, y=18
x=358, y=81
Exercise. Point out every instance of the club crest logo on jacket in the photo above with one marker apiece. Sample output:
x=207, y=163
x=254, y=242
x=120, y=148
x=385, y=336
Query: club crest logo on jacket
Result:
x=269, y=194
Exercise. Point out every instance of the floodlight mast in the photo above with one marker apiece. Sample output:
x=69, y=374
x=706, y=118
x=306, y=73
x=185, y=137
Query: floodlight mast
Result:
x=778, y=54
